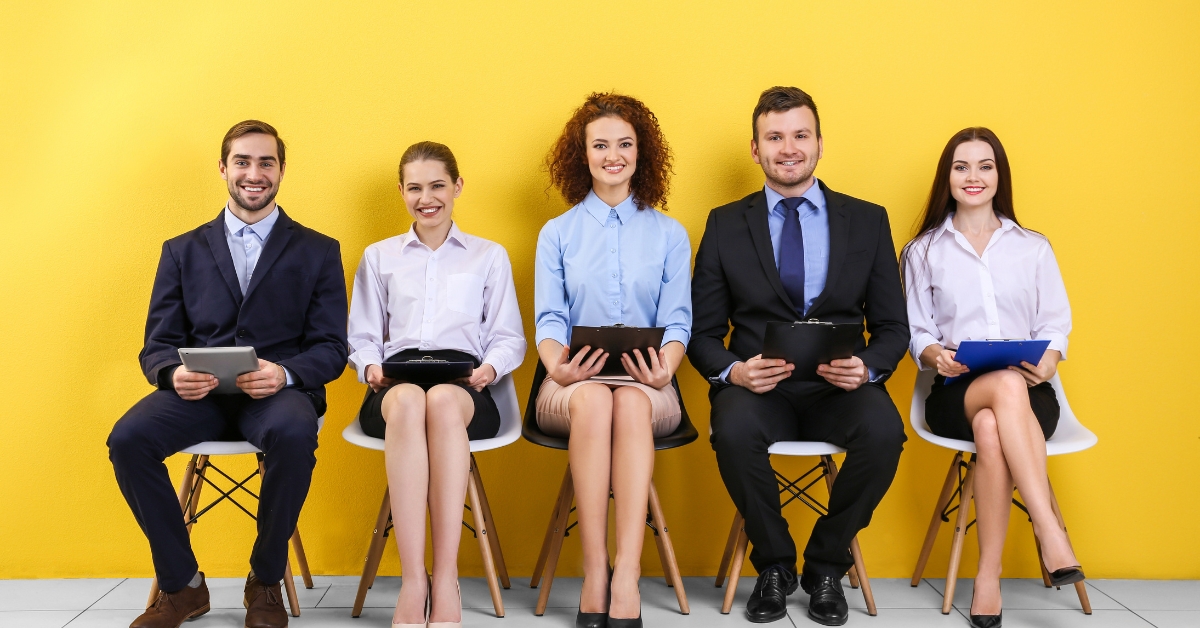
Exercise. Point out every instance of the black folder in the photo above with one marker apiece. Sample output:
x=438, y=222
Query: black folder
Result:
x=808, y=344
x=616, y=340
x=427, y=370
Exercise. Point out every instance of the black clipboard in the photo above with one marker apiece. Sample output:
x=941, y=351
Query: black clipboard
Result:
x=616, y=340
x=809, y=344
x=427, y=370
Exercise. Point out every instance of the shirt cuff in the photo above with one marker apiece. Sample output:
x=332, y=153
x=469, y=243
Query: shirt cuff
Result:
x=724, y=376
x=917, y=346
x=553, y=331
x=1058, y=342
x=677, y=335
x=360, y=360
x=872, y=375
x=290, y=381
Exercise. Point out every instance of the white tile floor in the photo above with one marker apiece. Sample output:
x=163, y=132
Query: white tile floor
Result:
x=113, y=603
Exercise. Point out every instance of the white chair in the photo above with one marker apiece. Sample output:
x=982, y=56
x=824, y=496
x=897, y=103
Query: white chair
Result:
x=1069, y=437
x=735, y=547
x=195, y=476
x=505, y=396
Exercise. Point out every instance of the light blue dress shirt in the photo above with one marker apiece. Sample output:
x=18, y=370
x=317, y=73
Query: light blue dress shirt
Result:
x=814, y=223
x=246, y=245
x=599, y=265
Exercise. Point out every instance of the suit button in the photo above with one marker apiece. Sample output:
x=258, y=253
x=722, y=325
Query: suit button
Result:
x=241, y=333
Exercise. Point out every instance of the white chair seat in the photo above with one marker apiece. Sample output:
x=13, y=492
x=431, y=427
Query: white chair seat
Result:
x=804, y=448
x=504, y=393
x=1069, y=437
x=227, y=448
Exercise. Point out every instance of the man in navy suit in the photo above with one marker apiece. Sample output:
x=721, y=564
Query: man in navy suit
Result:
x=252, y=277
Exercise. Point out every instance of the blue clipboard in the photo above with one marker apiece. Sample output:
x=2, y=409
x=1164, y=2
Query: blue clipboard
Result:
x=982, y=356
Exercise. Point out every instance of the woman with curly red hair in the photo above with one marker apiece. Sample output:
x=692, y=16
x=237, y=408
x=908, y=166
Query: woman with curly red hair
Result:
x=611, y=259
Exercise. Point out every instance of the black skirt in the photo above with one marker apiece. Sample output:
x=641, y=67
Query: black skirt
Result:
x=484, y=424
x=946, y=414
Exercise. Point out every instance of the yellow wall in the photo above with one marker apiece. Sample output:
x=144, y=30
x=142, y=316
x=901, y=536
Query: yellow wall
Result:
x=111, y=117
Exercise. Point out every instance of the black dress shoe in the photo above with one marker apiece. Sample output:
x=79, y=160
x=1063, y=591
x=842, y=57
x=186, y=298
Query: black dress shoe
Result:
x=769, y=601
x=986, y=621
x=590, y=620
x=636, y=622
x=826, y=601
x=1066, y=575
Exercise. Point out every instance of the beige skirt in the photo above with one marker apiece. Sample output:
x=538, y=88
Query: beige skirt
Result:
x=554, y=417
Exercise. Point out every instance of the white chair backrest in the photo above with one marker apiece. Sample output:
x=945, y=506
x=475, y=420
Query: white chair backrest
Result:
x=228, y=448
x=504, y=393
x=1069, y=437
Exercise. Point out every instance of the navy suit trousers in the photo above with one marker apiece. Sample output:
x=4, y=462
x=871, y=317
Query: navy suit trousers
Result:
x=283, y=426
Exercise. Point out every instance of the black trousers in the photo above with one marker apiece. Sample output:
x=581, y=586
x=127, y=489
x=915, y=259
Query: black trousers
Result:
x=283, y=426
x=864, y=422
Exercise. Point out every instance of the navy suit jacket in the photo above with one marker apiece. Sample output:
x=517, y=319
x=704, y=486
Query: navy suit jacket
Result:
x=294, y=311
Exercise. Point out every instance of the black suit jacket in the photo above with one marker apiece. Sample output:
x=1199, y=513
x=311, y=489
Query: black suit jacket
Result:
x=736, y=281
x=294, y=311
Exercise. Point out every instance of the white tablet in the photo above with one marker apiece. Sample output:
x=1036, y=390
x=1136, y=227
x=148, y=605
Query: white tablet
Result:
x=224, y=363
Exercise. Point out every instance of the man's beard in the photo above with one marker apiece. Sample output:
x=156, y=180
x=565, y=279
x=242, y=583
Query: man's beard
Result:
x=801, y=177
x=236, y=192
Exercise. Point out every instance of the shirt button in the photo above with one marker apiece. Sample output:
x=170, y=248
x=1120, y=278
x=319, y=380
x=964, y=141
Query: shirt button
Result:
x=612, y=250
x=614, y=275
x=242, y=333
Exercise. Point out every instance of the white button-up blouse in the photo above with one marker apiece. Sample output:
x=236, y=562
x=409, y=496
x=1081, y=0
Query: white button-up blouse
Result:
x=1013, y=290
x=461, y=297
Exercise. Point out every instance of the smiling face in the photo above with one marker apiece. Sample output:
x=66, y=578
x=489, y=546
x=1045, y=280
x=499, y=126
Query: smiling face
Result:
x=252, y=172
x=611, y=154
x=973, y=175
x=787, y=148
x=429, y=194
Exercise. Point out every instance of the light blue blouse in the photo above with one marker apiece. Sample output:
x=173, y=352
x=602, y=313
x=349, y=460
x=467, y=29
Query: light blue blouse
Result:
x=599, y=265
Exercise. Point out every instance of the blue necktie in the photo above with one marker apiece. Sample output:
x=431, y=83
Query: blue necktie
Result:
x=791, y=252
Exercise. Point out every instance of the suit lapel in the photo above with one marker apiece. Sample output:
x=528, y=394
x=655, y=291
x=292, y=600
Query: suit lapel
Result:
x=280, y=234
x=760, y=233
x=839, y=236
x=220, y=251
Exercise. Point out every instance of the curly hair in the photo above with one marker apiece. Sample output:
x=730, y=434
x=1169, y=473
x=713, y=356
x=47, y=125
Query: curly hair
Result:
x=568, y=164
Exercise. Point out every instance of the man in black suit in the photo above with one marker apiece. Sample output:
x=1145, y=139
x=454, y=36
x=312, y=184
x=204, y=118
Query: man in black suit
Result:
x=252, y=277
x=798, y=250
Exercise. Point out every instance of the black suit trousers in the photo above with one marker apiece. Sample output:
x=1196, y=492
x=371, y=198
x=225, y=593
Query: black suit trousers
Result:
x=283, y=426
x=865, y=422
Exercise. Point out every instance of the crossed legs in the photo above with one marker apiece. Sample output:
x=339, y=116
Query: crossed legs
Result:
x=609, y=425
x=427, y=454
x=1011, y=448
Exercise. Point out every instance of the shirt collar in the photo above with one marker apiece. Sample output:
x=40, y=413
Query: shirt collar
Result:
x=814, y=194
x=262, y=228
x=948, y=225
x=455, y=235
x=599, y=209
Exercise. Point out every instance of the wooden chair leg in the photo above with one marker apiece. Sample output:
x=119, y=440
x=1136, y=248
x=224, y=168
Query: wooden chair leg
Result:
x=374, y=554
x=734, y=530
x=735, y=570
x=860, y=567
x=960, y=534
x=1041, y=563
x=935, y=522
x=187, y=506
x=662, y=555
x=485, y=543
x=301, y=559
x=668, y=549
x=556, y=540
x=1080, y=587
x=550, y=530
x=289, y=585
x=493, y=535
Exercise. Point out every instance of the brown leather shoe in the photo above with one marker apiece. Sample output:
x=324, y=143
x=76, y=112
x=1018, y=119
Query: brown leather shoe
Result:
x=170, y=610
x=264, y=604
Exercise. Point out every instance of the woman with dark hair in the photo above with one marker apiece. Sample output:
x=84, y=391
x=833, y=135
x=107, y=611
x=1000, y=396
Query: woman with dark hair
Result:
x=973, y=273
x=611, y=259
x=434, y=291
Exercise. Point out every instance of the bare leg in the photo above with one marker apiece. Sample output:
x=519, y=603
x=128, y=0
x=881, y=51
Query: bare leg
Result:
x=407, y=460
x=448, y=412
x=633, y=449
x=590, y=452
x=1007, y=395
x=993, y=503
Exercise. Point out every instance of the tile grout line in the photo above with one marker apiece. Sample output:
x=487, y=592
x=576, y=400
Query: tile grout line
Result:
x=1135, y=613
x=952, y=604
x=97, y=601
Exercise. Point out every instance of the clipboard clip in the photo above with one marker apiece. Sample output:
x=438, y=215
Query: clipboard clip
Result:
x=428, y=359
x=812, y=321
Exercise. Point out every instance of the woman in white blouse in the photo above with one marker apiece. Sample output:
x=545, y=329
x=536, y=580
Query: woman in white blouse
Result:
x=973, y=273
x=434, y=291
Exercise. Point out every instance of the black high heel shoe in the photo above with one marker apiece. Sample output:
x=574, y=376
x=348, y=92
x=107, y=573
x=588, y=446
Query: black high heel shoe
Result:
x=984, y=621
x=593, y=620
x=1066, y=575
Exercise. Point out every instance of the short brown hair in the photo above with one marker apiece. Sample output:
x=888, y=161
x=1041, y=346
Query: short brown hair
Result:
x=430, y=151
x=777, y=99
x=568, y=164
x=247, y=127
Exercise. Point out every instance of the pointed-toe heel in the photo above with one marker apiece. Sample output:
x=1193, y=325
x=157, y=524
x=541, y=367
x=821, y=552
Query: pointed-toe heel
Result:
x=1066, y=575
x=986, y=621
